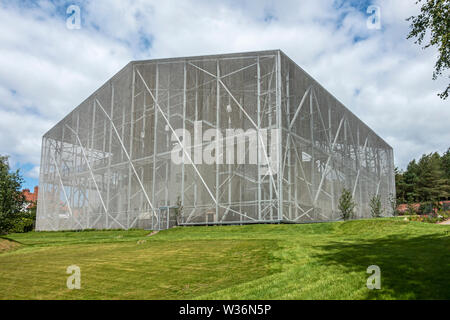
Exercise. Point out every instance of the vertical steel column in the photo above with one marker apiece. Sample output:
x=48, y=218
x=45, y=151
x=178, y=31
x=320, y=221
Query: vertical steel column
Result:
x=288, y=146
x=218, y=141
x=143, y=153
x=348, y=182
x=196, y=119
x=378, y=167
x=392, y=190
x=58, y=166
x=73, y=158
x=270, y=126
x=166, y=185
x=229, y=164
x=155, y=144
x=358, y=165
x=279, y=126
x=144, y=123
x=167, y=218
x=131, y=145
x=333, y=205
x=93, y=148
x=108, y=181
x=313, y=161
x=184, y=129
x=240, y=180
x=76, y=180
x=258, y=112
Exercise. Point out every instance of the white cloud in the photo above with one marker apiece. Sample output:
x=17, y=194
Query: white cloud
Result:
x=33, y=173
x=46, y=69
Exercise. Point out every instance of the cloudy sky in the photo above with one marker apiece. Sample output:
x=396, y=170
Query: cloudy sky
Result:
x=47, y=69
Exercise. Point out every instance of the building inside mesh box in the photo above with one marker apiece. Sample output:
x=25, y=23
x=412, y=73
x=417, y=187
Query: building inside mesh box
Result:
x=108, y=164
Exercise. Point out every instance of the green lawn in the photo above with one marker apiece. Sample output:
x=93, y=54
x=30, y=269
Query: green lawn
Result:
x=310, y=261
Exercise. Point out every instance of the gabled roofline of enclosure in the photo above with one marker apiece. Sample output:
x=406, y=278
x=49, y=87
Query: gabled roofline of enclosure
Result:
x=247, y=54
x=334, y=97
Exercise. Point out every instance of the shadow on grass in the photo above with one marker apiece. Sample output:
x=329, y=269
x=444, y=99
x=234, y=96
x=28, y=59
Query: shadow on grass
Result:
x=5, y=237
x=411, y=267
x=8, y=244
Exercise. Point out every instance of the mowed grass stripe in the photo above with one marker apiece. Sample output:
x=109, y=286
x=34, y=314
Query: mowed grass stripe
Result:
x=151, y=270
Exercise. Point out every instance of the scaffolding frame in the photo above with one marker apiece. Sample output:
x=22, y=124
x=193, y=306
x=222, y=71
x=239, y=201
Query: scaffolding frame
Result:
x=108, y=163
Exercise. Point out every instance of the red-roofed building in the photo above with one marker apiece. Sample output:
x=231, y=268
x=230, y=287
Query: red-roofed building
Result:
x=31, y=198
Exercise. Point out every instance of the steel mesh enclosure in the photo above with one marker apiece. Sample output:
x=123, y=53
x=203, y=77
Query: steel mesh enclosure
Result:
x=109, y=163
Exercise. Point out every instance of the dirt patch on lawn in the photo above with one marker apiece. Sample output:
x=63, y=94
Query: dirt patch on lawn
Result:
x=7, y=245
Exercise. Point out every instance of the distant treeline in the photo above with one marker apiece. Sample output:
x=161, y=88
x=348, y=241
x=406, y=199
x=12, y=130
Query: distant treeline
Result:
x=425, y=180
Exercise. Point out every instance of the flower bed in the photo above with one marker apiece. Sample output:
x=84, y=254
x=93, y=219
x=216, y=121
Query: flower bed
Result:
x=431, y=218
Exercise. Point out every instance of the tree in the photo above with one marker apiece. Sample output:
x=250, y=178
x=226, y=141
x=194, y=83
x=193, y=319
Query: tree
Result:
x=430, y=183
x=375, y=206
x=29, y=219
x=427, y=180
x=434, y=19
x=411, y=178
x=11, y=197
x=393, y=204
x=445, y=163
x=346, y=204
x=400, y=186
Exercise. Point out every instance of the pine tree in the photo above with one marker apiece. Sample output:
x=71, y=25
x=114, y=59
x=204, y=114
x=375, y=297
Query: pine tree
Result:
x=445, y=185
x=445, y=163
x=411, y=178
x=400, y=185
x=430, y=177
x=427, y=180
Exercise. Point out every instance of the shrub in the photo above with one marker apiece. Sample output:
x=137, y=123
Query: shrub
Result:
x=346, y=204
x=375, y=206
x=411, y=210
x=426, y=208
x=393, y=204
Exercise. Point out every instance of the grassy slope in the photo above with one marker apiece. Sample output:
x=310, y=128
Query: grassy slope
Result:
x=314, y=261
x=8, y=245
